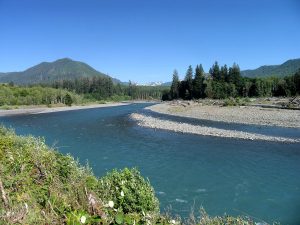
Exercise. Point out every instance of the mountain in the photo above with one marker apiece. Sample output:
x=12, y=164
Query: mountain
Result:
x=166, y=84
x=152, y=84
x=51, y=71
x=289, y=67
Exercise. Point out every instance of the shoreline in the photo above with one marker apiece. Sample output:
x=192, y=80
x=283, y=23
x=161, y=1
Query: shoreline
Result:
x=40, y=110
x=251, y=115
x=164, y=124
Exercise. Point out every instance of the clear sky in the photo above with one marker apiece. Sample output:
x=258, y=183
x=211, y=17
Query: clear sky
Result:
x=145, y=40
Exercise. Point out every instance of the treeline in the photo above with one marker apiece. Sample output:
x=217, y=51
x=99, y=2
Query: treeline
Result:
x=15, y=95
x=223, y=82
x=77, y=91
x=102, y=88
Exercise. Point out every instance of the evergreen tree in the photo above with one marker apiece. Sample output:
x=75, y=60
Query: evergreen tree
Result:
x=189, y=82
x=68, y=100
x=224, y=73
x=182, y=89
x=215, y=71
x=175, y=86
x=209, y=89
x=198, y=83
x=296, y=79
x=235, y=74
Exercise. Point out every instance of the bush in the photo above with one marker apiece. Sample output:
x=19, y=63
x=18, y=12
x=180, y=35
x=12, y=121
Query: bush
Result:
x=41, y=179
x=229, y=102
x=129, y=191
x=236, y=102
x=68, y=100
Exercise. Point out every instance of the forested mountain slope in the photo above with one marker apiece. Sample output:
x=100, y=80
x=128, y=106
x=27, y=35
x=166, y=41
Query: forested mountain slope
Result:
x=287, y=68
x=45, y=72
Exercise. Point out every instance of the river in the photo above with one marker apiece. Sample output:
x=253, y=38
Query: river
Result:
x=238, y=177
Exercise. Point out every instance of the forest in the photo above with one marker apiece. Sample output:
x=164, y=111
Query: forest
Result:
x=76, y=91
x=103, y=88
x=222, y=82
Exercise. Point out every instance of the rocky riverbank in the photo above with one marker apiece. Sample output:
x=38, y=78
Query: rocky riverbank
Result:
x=233, y=114
x=38, y=110
x=156, y=123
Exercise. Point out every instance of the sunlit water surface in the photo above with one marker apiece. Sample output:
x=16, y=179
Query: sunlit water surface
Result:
x=253, y=178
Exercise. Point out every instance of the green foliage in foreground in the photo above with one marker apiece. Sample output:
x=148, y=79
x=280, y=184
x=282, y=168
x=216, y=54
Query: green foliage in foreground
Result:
x=38, y=185
x=129, y=191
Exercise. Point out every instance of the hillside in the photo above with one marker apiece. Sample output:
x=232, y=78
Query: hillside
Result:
x=289, y=67
x=51, y=71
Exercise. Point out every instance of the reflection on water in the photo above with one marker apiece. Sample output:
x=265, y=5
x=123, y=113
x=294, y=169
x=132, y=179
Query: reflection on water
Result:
x=256, y=178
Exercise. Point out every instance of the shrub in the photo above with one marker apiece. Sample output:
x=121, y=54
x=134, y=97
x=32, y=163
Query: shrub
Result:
x=68, y=100
x=48, y=183
x=229, y=102
x=129, y=191
x=236, y=102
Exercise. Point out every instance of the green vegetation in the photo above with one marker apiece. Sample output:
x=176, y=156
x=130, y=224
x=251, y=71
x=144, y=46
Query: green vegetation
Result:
x=78, y=91
x=42, y=186
x=68, y=100
x=222, y=83
x=38, y=185
x=103, y=88
x=48, y=72
x=236, y=101
x=85, y=84
x=81, y=79
x=129, y=191
x=13, y=96
x=289, y=67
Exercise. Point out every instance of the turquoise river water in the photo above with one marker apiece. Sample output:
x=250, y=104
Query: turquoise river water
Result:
x=238, y=177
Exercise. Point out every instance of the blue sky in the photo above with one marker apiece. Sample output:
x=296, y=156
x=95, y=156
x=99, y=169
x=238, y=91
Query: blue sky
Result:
x=145, y=40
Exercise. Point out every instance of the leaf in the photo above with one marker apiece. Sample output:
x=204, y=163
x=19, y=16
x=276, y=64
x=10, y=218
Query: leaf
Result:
x=119, y=218
x=128, y=219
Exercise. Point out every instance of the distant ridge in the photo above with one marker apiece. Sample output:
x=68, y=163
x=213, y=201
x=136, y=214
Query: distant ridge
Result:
x=46, y=72
x=166, y=84
x=289, y=67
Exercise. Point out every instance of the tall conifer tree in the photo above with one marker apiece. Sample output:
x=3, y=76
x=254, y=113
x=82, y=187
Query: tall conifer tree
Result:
x=175, y=85
x=198, y=83
x=189, y=82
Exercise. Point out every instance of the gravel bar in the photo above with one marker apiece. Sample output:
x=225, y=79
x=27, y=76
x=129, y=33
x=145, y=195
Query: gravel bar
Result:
x=235, y=114
x=155, y=123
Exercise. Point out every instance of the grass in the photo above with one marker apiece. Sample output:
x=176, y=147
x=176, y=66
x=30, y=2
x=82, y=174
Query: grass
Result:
x=39, y=185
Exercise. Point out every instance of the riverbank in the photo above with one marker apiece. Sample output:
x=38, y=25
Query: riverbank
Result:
x=233, y=114
x=155, y=123
x=44, y=109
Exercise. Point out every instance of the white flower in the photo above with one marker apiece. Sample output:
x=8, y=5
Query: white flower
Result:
x=122, y=193
x=82, y=219
x=173, y=222
x=111, y=204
